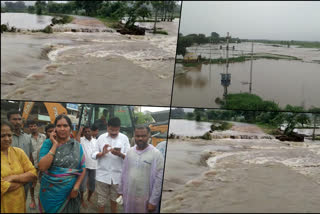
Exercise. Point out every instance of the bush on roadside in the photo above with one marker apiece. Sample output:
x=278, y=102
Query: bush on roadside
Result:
x=47, y=29
x=4, y=28
x=206, y=136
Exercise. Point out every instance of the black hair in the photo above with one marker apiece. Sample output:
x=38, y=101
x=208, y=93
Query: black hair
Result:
x=11, y=113
x=86, y=127
x=49, y=126
x=114, y=122
x=61, y=116
x=143, y=127
x=94, y=127
x=31, y=122
x=5, y=123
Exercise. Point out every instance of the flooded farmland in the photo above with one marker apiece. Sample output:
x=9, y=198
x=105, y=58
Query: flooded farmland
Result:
x=283, y=81
x=89, y=67
x=241, y=175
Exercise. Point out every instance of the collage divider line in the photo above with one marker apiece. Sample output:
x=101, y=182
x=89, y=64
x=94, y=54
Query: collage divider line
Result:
x=167, y=144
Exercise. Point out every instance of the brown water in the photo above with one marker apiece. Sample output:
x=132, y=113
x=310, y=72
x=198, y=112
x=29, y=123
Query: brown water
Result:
x=188, y=127
x=25, y=20
x=101, y=67
x=229, y=175
x=282, y=81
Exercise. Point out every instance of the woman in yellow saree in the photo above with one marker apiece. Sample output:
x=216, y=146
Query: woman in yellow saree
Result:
x=16, y=170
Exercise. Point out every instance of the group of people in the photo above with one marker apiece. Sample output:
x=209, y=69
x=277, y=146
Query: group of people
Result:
x=66, y=166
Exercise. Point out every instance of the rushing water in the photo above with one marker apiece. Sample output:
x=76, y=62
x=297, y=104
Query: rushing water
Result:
x=241, y=175
x=25, y=20
x=113, y=68
x=282, y=81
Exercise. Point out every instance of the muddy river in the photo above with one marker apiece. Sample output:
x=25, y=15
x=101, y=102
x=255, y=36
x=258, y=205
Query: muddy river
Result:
x=99, y=67
x=241, y=175
x=282, y=81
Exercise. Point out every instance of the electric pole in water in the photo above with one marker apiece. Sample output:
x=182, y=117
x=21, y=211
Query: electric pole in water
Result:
x=226, y=78
x=250, y=84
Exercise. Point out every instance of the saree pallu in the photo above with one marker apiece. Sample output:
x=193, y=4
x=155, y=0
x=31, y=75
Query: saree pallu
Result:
x=58, y=181
x=55, y=189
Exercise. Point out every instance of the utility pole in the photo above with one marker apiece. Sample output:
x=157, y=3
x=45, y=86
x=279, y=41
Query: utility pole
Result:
x=226, y=78
x=227, y=60
x=250, y=85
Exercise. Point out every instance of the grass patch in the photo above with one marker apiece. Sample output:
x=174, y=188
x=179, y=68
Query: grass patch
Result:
x=62, y=19
x=268, y=129
x=110, y=22
x=161, y=32
x=47, y=29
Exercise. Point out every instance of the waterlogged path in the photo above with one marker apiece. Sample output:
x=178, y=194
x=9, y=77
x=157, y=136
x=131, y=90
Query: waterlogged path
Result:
x=103, y=67
x=241, y=175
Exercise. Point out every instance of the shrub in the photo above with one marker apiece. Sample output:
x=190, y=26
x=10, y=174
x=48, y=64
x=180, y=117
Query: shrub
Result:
x=48, y=29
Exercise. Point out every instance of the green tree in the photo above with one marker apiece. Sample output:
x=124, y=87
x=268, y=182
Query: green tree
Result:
x=156, y=7
x=248, y=102
x=183, y=43
x=143, y=12
x=215, y=37
x=200, y=114
x=90, y=7
x=40, y=7
x=18, y=6
x=177, y=113
x=316, y=119
x=132, y=12
x=143, y=118
x=190, y=116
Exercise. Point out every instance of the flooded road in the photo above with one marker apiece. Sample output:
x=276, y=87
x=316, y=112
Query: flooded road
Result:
x=282, y=81
x=103, y=67
x=241, y=175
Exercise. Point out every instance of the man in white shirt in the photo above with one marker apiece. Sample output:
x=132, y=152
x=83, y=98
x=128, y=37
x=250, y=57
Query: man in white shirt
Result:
x=111, y=149
x=88, y=144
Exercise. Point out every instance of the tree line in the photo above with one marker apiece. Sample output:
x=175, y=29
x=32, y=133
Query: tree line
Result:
x=272, y=117
x=191, y=39
x=165, y=10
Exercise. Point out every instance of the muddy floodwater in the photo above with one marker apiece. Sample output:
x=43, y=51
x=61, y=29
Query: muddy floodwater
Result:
x=25, y=20
x=188, y=127
x=241, y=175
x=283, y=81
x=99, y=67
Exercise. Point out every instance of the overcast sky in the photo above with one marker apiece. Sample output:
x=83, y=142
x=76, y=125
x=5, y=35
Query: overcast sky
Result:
x=153, y=109
x=253, y=20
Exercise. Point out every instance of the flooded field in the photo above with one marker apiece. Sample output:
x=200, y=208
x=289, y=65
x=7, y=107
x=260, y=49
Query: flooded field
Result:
x=89, y=67
x=25, y=20
x=283, y=81
x=241, y=175
x=188, y=127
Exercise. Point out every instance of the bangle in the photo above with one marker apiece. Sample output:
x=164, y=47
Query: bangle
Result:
x=75, y=189
x=51, y=153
